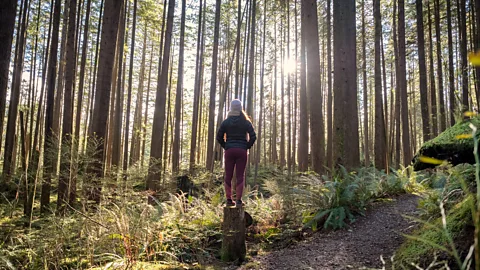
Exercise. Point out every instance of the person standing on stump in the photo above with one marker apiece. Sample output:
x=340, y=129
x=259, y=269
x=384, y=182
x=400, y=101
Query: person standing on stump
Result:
x=232, y=136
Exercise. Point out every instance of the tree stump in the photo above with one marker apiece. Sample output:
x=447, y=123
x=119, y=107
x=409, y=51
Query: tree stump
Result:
x=233, y=244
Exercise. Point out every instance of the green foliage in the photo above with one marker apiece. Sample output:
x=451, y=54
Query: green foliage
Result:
x=449, y=146
x=332, y=202
x=432, y=237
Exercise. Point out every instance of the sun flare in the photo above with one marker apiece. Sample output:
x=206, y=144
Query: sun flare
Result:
x=289, y=66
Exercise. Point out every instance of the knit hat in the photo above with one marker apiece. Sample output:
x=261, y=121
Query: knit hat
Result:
x=236, y=105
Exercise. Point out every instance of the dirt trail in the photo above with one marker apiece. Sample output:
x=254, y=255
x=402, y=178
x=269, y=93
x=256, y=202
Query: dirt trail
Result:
x=358, y=246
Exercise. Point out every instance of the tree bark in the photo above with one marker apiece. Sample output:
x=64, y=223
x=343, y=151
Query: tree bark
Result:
x=126, y=158
x=8, y=160
x=67, y=129
x=233, y=244
x=7, y=20
x=463, y=54
x=102, y=96
x=314, y=86
x=303, y=140
x=423, y=73
x=366, y=148
x=178, y=96
x=380, y=134
x=156, y=147
x=451, y=70
x=48, y=160
x=213, y=87
x=433, y=94
x=438, y=34
x=196, y=90
x=346, y=140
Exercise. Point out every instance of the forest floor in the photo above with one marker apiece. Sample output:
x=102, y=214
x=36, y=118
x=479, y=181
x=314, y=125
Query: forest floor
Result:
x=376, y=234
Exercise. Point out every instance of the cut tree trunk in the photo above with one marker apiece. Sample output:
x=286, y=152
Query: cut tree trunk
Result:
x=233, y=245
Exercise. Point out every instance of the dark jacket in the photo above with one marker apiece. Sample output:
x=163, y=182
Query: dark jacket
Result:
x=236, y=128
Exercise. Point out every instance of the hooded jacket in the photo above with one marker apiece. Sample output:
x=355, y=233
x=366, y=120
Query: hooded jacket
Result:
x=236, y=129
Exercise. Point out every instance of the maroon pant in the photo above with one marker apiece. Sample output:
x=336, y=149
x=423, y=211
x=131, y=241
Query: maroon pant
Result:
x=235, y=158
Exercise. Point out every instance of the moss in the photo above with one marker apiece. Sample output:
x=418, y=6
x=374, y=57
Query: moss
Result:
x=460, y=226
x=447, y=146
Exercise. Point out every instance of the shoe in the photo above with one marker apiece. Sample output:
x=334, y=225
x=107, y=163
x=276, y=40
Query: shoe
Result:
x=230, y=203
x=240, y=203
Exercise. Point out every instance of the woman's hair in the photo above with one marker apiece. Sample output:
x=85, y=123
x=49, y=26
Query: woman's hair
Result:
x=245, y=116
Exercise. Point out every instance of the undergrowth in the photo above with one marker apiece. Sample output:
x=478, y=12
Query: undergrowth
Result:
x=181, y=229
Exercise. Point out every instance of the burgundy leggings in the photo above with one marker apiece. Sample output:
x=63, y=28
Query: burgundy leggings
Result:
x=235, y=158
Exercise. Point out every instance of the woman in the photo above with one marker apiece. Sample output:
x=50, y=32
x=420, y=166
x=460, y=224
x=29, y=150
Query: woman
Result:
x=236, y=127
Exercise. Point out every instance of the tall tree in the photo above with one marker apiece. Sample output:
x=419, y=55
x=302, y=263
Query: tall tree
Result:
x=441, y=98
x=126, y=158
x=303, y=140
x=462, y=24
x=156, y=147
x=102, y=95
x=48, y=161
x=7, y=20
x=213, y=87
x=251, y=66
x=314, y=85
x=433, y=91
x=64, y=177
x=178, y=96
x=451, y=70
x=119, y=95
x=329, y=86
x=380, y=133
x=196, y=90
x=423, y=72
x=402, y=81
x=346, y=139
x=8, y=160
x=366, y=148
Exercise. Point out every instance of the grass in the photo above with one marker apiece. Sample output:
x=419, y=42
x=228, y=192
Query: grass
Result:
x=181, y=230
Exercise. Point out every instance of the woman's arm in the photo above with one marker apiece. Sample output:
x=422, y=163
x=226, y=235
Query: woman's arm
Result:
x=251, y=134
x=221, y=134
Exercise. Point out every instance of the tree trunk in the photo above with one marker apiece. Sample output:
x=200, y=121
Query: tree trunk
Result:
x=438, y=34
x=49, y=160
x=366, y=149
x=463, y=54
x=251, y=78
x=178, y=96
x=433, y=94
x=329, y=93
x=346, y=140
x=126, y=158
x=303, y=140
x=423, y=73
x=451, y=70
x=119, y=95
x=8, y=161
x=233, y=245
x=213, y=87
x=314, y=86
x=102, y=96
x=7, y=20
x=380, y=136
x=156, y=147
x=70, y=66
x=196, y=91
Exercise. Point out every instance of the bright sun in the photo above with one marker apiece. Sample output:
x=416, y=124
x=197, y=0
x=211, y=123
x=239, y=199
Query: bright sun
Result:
x=289, y=66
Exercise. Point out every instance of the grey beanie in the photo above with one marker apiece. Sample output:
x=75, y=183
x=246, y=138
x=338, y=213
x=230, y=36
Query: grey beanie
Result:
x=236, y=105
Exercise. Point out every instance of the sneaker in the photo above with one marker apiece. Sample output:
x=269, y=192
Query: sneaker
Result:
x=230, y=203
x=240, y=203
